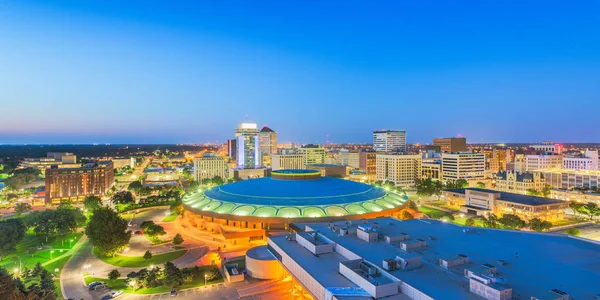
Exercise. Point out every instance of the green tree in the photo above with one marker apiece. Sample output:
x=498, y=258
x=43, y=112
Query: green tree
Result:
x=470, y=222
x=537, y=224
x=491, y=221
x=573, y=231
x=135, y=186
x=546, y=190
x=148, y=255
x=591, y=209
x=173, y=277
x=217, y=180
x=123, y=197
x=481, y=185
x=12, y=231
x=533, y=192
x=512, y=221
x=177, y=208
x=107, y=231
x=114, y=275
x=21, y=208
x=575, y=207
x=91, y=203
x=178, y=240
x=12, y=196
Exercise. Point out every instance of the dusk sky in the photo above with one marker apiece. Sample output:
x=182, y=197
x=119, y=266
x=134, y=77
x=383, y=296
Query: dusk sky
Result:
x=75, y=71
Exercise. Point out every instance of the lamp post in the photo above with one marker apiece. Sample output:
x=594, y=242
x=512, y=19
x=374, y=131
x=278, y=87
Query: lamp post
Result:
x=51, y=251
x=205, y=276
x=70, y=243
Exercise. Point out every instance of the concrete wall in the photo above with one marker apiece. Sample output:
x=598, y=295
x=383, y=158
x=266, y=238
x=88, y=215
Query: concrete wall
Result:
x=264, y=269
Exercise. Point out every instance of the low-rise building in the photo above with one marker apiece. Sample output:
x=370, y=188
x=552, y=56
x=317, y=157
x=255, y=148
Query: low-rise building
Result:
x=570, y=179
x=390, y=259
x=515, y=182
x=401, y=169
x=576, y=195
x=58, y=159
x=313, y=154
x=288, y=162
x=453, y=144
x=330, y=170
x=581, y=161
x=538, y=162
x=482, y=201
x=74, y=184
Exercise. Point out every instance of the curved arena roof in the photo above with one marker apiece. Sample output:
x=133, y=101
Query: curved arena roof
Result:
x=269, y=197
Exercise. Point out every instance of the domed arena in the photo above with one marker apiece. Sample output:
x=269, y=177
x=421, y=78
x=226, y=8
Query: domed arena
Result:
x=290, y=196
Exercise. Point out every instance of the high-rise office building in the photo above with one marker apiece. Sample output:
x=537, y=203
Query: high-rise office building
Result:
x=248, y=146
x=232, y=148
x=465, y=165
x=389, y=141
x=209, y=165
x=548, y=147
x=313, y=154
x=75, y=184
x=268, y=141
x=453, y=144
x=368, y=163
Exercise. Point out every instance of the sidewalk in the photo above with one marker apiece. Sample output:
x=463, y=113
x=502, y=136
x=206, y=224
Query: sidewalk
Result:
x=68, y=253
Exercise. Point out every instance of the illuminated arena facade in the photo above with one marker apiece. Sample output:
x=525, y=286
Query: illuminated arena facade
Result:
x=290, y=196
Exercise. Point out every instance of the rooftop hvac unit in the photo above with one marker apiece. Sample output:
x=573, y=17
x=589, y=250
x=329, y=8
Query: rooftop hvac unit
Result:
x=389, y=264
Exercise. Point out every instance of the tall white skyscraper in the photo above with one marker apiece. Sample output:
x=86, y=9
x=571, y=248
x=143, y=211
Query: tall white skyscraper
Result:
x=248, y=146
x=389, y=141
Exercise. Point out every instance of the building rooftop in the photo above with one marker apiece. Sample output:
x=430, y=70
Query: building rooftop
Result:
x=532, y=264
x=565, y=171
x=520, y=176
x=326, y=165
x=266, y=129
x=512, y=197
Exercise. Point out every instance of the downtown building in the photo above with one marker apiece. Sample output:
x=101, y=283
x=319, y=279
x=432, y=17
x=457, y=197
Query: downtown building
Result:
x=463, y=165
x=267, y=141
x=313, y=154
x=387, y=258
x=209, y=166
x=389, y=141
x=368, y=164
x=287, y=162
x=571, y=179
x=401, y=169
x=581, y=161
x=516, y=182
x=74, y=184
x=538, y=162
x=453, y=144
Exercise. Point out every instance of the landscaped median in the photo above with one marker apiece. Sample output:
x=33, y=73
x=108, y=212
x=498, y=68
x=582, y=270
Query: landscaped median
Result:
x=170, y=218
x=139, y=261
x=196, y=281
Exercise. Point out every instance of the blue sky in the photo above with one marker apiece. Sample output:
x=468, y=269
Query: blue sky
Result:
x=75, y=71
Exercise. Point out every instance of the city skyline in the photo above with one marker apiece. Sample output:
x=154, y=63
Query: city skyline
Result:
x=98, y=72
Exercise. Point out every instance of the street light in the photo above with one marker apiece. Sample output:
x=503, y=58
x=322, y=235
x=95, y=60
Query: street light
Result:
x=205, y=276
x=51, y=251
x=70, y=242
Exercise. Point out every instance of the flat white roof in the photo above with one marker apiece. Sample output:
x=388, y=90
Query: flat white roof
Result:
x=536, y=262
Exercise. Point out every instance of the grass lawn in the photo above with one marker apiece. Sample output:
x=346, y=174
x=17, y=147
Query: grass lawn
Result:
x=119, y=284
x=156, y=241
x=433, y=213
x=170, y=218
x=139, y=261
x=32, y=241
x=568, y=222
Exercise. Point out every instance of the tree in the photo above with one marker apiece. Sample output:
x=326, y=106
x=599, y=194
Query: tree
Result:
x=21, y=208
x=491, y=221
x=412, y=205
x=91, y=203
x=177, y=208
x=135, y=186
x=470, y=222
x=12, y=231
x=405, y=215
x=546, y=190
x=573, y=231
x=481, y=185
x=217, y=180
x=114, y=275
x=107, y=231
x=575, y=207
x=148, y=255
x=123, y=197
x=512, y=221
x=533, y=192
x=591, y=209
x=173, y=276
x=178, y=240
x=537, y=224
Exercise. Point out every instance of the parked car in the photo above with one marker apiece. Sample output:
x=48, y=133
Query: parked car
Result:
x=97, y=286
x=112, y=295
x=173, y=292
x=139, y=232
